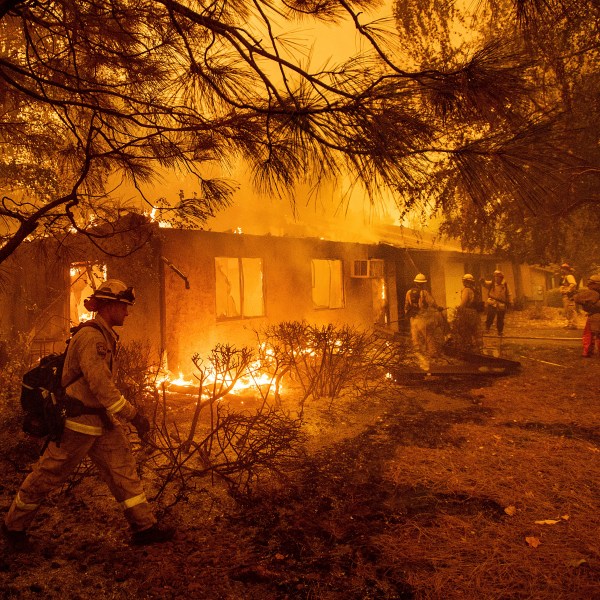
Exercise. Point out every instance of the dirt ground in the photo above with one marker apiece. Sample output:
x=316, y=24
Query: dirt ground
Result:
x=481, y=487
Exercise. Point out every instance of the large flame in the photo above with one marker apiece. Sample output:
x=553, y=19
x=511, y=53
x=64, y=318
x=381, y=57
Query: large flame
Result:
x=256, y=378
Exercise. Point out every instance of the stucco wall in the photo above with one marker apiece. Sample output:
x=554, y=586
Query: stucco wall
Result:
x=191, y=322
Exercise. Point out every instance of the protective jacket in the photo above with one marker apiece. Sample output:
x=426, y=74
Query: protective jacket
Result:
x=467, y=297
x=590, y=302
x=498, y=295
x=417, y=301
x=91, y=353
x=568, y=285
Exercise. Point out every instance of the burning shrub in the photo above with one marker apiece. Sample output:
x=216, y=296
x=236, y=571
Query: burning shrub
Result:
x=236, y=446
x=325, y=361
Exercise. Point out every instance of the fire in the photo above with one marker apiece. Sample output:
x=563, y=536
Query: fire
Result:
x=181, y=381
x=255, y=379
x=152, y=215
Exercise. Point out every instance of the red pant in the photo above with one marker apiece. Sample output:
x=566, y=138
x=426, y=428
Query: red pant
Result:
x=590, y=339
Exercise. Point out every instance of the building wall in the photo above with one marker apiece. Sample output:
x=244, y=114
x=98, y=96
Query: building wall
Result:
x=453, y=273
x=190, y=314
x=167, y=315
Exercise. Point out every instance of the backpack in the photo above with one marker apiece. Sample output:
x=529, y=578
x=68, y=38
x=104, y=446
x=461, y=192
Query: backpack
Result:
x=44, y=398
x=414, y=295
x=478, y=303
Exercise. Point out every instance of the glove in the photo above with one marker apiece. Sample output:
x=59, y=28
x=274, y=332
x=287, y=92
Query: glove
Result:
x=141, y=424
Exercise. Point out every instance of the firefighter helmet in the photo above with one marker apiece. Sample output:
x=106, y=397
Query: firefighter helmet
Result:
x=468, y=277
x=594, y=279
x=498, y=272
x=116, y=290
x=420, y=278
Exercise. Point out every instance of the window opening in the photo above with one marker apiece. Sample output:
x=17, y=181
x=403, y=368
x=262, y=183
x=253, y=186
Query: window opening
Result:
x=85, y=278
x=239, y=287
x=327, y=283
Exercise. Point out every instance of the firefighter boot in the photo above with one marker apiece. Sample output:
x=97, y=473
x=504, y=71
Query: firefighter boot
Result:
x=16, y=540
x=157, y=534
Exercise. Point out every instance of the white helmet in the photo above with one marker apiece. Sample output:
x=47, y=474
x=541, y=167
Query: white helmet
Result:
x=468, y=277
x=114, y=289
x=420, y=278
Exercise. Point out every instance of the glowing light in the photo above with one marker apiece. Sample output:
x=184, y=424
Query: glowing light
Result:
x=181, y=381
x=152, y=215
x=256, y=378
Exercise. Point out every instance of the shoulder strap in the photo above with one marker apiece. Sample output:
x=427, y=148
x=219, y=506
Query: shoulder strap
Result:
x=75, y=330
x=84, y=324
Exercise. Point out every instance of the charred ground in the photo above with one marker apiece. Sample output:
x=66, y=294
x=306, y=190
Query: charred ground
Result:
x=445, y=488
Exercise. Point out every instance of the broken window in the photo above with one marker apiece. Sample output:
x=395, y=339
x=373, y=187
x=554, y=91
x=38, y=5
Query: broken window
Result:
x=327, y=283
x=85, y=278
x=239, y=287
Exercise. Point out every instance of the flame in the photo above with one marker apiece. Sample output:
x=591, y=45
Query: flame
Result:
x=152, y=215
x=256, y=378
x=181, y=381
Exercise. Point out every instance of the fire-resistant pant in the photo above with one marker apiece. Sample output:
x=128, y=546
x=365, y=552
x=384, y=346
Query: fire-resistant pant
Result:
x=590, y=339
x=467, y=329
x=110, y=452
x=425, y=334
x=569, y=310
x=494, y=313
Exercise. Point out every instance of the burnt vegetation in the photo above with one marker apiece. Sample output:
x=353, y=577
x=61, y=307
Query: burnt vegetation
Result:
x=450, y=489
x=236, y=445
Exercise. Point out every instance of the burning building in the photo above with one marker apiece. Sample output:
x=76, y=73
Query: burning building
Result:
x=199, y=288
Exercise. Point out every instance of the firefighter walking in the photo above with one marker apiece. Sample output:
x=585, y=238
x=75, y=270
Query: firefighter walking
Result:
x=98, y=432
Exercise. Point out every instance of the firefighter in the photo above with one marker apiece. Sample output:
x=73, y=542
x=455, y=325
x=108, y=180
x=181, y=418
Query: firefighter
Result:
x=568, y=289
x=589, y=300
x=497, y=302
x=467, y=322
x=98, y=433
x=426, y=321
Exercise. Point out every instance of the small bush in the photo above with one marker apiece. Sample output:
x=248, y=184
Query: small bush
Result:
x=554, y=298
x=16, y=361
x=326, y=361
x=538, y=312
